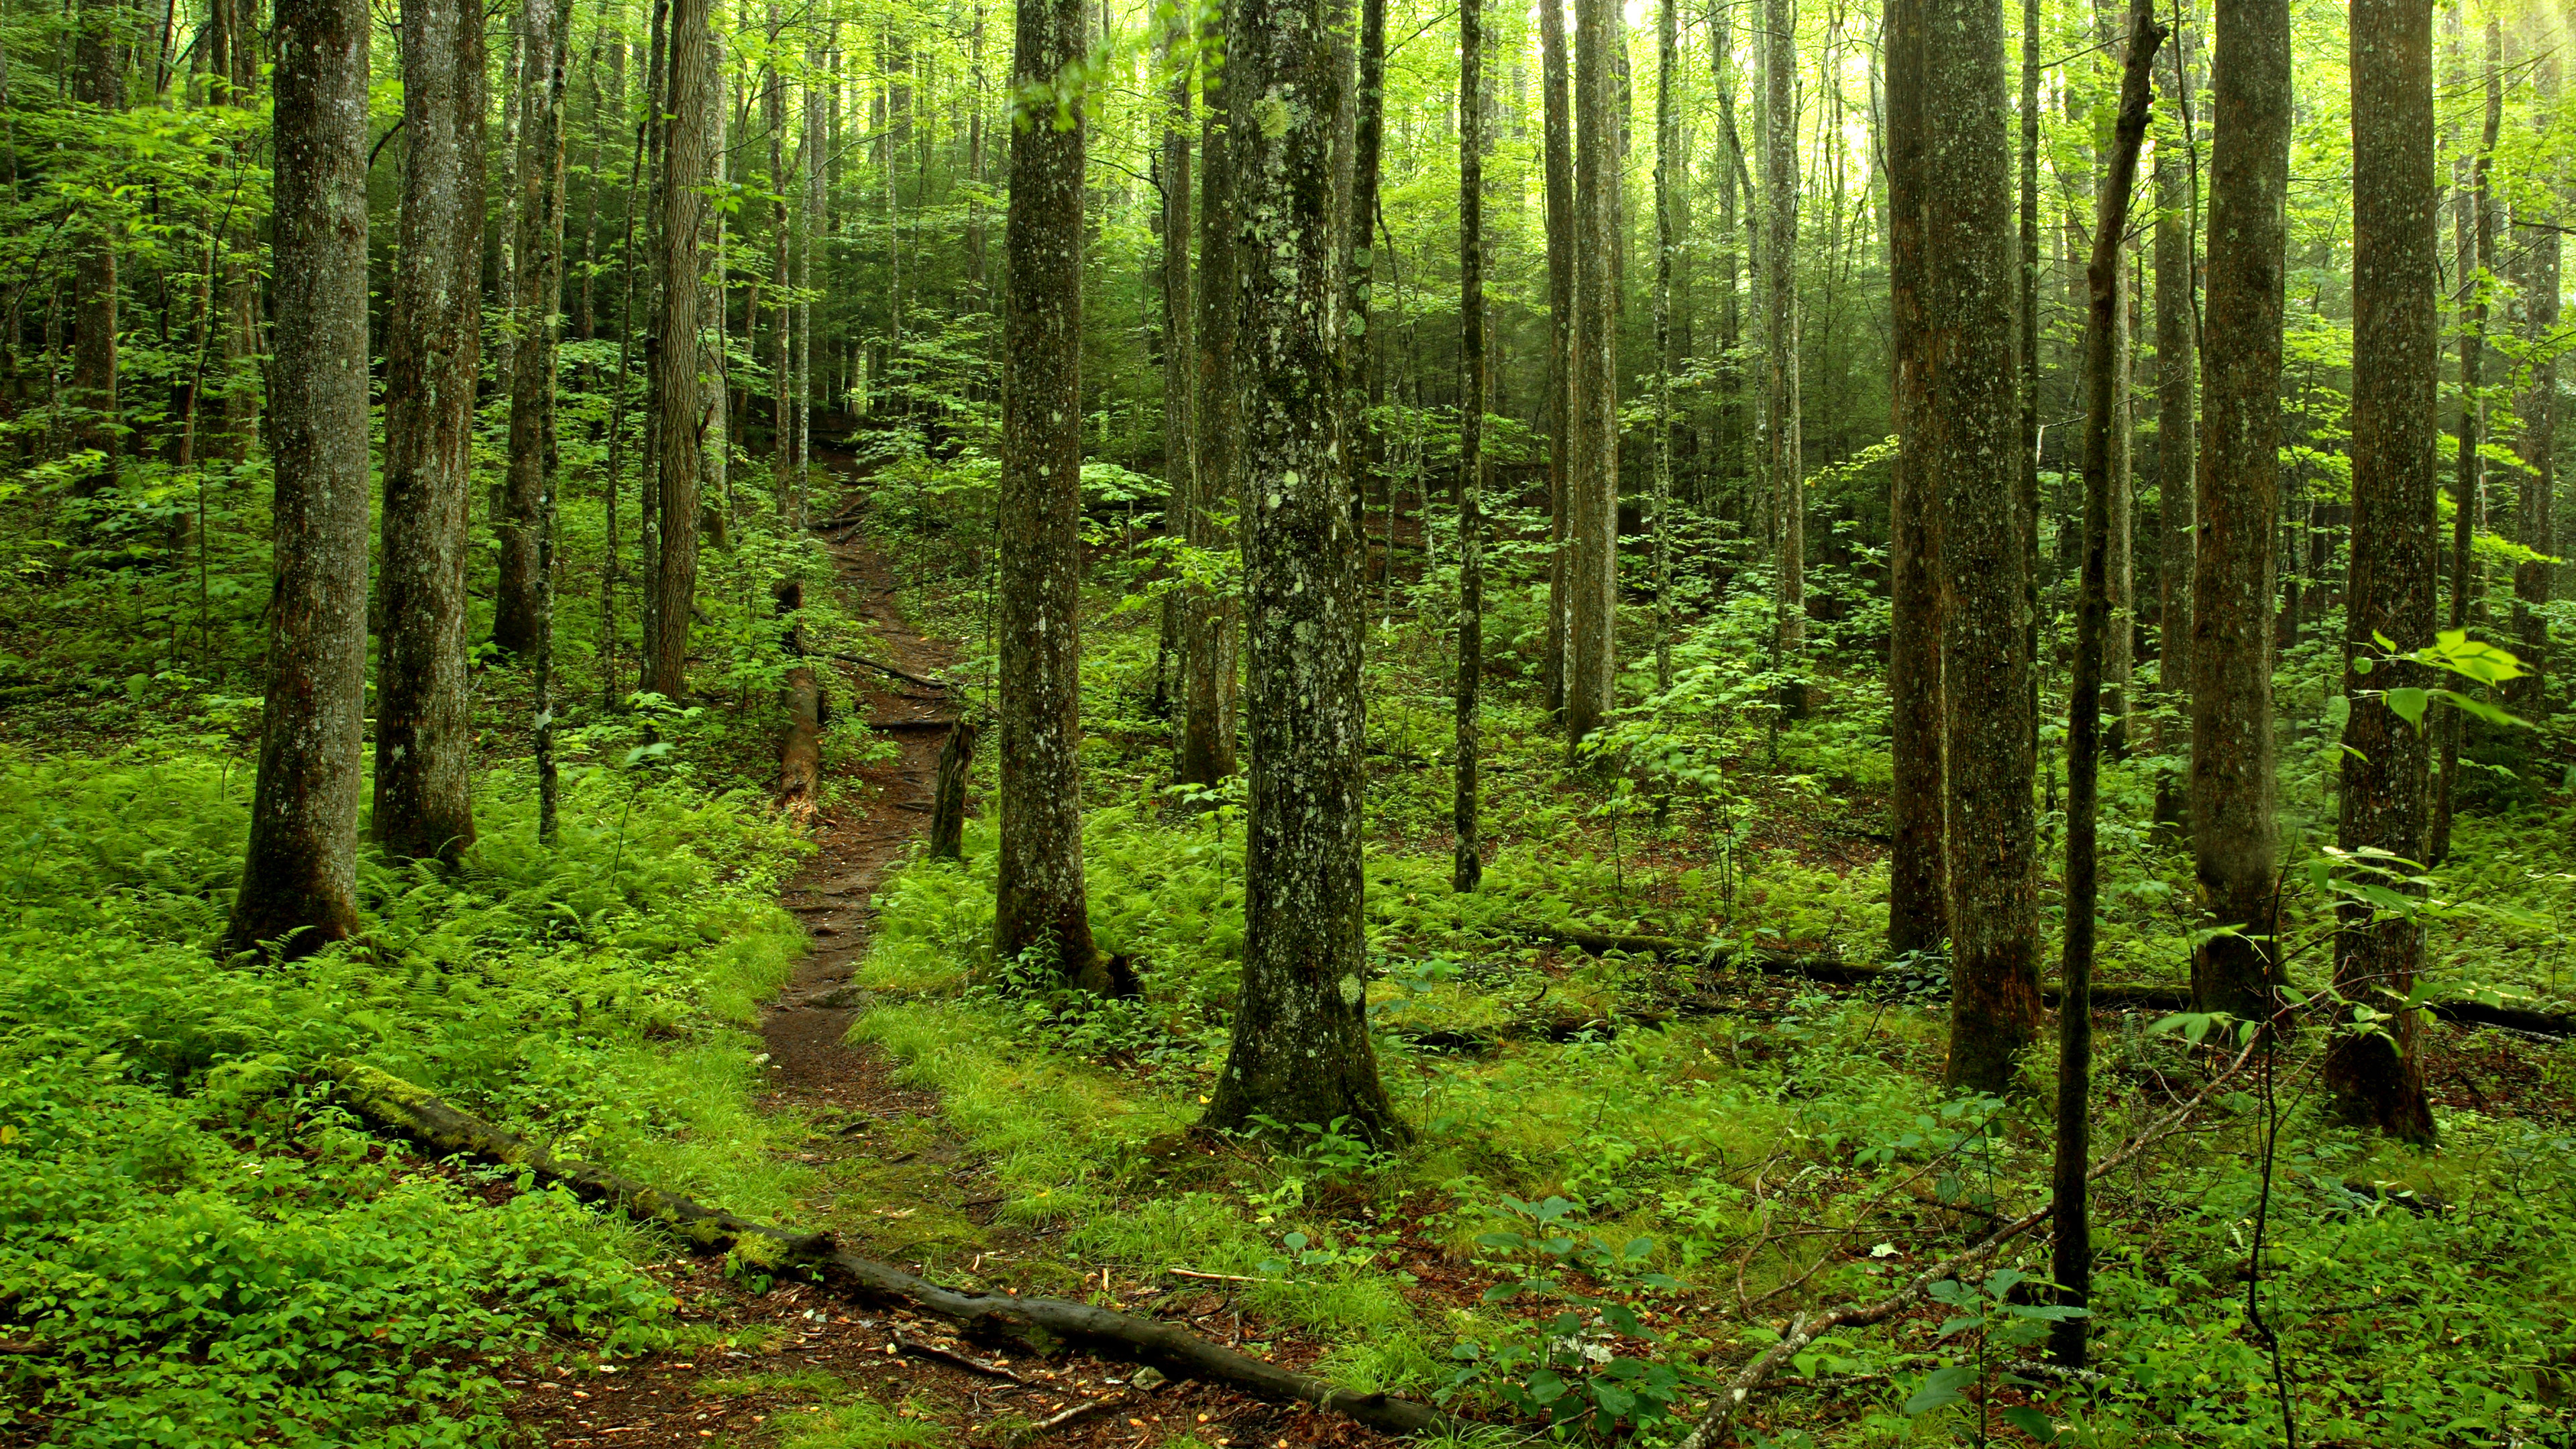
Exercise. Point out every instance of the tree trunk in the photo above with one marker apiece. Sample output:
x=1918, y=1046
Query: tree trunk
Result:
x=2026, y=318
x=1592, y=499
x=1467, y=866
x=1209, y=626
x=424, y=714
x=1668, y=144
x=2468, y=475
x=1180, y=357
x=2233, y=828
x=516, y=601
x=1916, y=918
x=2537, y=445
x=2177, y=433
x=675, y=359
x=1039, y=894
x=1559, y=164
x=773, y=114
x=948, y=792
x=1301, y=1050
x=715, y=392
x=2097, y=618
x=1784, y=447
x=98, y=80
x=1969, y=461
x=2119, y=635
x=299, y=873
x=2389, y=585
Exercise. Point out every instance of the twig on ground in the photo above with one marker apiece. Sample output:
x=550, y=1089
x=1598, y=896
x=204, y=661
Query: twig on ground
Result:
x=918, y=1349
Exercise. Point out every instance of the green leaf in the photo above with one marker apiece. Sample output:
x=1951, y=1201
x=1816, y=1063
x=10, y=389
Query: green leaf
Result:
x=1941, y=1388
x=2034, y=1422
x=2408, y=705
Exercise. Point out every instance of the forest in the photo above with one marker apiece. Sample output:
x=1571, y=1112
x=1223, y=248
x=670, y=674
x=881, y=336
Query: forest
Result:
x=1286, y=724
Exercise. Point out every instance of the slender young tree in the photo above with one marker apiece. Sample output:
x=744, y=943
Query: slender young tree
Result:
x=2233, y=829
x=2177, y=417
x=1968, y=460
x=1209, y=628
x=1039, y=898
x=1558, y=146
x=1180, y=346
x=98, y=81
x=433, y=342
x=2096, y=618
x=2537, y=406
x=299, y=874
x=517, y=600
x=1783, y=445
x=1592, y=506
x=2377, y=1079
x=2476, y=207
x=541, y=263
x=1468, y=862
x=1668, y=145
x=675, y=352
x=1916, y=917
x=1301, y=1049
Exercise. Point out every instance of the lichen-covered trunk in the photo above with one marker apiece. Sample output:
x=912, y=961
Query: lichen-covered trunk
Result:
x=516, y=601
x=2389, y=590
x=1592, y=442
x=1558, y=146
x=299, y=873
x=2537, y=444
x=1969, y=462
x=1668, y=145
x=677, y=444
x=433, y=345
x=1039, y=901
x=2234, y=834
x=1917, y=918
x=2177, y=428
x=1212, y=621
x=1467, y=860
x=1301, y=1050
x=1784, y=448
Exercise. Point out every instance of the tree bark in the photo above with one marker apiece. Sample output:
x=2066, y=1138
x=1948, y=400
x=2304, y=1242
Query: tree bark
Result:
x=2468, y=475
x=1180, y=357
x=2097, y=618
x=1668, y=144
x=675, y=353
x=1969, y=461
x=2537, y=444
x=1040, y=901
x=516, y=601
x=1783, y=441
x=2378, y=1080
x=1301, y=1050
x=2177, y=428
x=1558, y=146
x=424, y=716
x=1916, y=918
x=1467, y=867
x=1592, y=506
x=948, y=792
x=1209, y=626
x=299, y=873
x=2234, y=832
x=98, y=81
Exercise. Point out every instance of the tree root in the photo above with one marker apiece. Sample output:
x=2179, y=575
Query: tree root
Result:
x=1040, y=1324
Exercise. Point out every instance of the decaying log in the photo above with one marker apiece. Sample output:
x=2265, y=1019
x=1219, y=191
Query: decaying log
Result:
x=889, y=670
x=948, y=793
x=1039, y=1324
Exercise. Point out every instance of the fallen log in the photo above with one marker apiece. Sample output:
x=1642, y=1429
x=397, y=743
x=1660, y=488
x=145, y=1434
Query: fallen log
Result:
x=1039, y=1324
x=1836, y=971
x=890, y=671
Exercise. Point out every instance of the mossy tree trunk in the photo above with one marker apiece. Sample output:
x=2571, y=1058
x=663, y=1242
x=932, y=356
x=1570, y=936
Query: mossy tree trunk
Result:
x=676, y=385
x=1558, y=146
x=1592, y=442
x=1211, y=622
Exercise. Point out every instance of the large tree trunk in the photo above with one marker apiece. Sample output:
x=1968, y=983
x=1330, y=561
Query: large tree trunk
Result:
x=516, y=602
x=2396, y=354
x=2476, y=214
x=299, y=873
x=2177, y=426
x=1969, y=461
x=1784, y=448
x=675, y=353
x=1180, y=355
x=2233, y=828
x=1558, y=145
x=1668, y=145
x=2537, y=445
x=98, y=80
x=1039, y=894
x=1208, y=627
x=1592, y=496
x=1301, y=1049
x=1467, y=860
x=1916, y=918
x=424, y=715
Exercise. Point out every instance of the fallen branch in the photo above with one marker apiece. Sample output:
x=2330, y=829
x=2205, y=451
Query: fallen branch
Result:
x=888, y=669
x=918, y=1349
x=1807, y=1328
x=1075, y=1415
x=1040, y=1323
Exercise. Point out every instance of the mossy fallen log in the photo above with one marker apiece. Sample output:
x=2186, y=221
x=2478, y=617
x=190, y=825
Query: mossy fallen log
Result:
x=1041, y=1324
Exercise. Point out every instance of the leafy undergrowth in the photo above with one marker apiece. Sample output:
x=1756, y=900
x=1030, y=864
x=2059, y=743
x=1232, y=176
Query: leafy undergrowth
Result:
x=197, y=1247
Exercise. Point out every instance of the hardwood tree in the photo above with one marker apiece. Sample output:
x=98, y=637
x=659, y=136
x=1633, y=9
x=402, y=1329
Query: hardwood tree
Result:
x=532, y=396
x=1467, y=867
x=1917, y=919
x=1180, y=347
x=2234, y=834
x=299, y=872
x=517, y=600
x=433, y=343
x=679, y=450
x=1210, y=626
x=1557, y=146
x=1668, y=145
x=2377, y=1078
x=2474, y=213
x=98, y=81
x=2536, y=446
x=1301, y=1050
x=2177, y=414
x=1592, y=439
x=1969, y=461
x=1784, y=449
x=1039, y=899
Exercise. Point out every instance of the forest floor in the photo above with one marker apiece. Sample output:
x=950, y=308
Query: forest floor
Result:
x=795, y=1366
